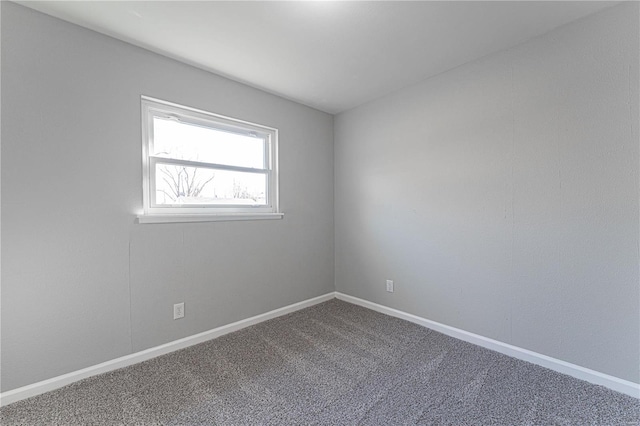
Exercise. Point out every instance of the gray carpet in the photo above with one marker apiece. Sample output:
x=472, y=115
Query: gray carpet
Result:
x=334, y=363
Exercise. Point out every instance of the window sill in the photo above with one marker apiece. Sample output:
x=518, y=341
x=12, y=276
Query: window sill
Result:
x=186, y=218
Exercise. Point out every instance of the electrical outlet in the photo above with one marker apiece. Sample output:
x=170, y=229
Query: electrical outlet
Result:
x=390, y=286
x=178, y=311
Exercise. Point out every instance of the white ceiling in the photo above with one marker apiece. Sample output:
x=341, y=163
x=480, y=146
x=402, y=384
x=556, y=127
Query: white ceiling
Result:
x=329, y=55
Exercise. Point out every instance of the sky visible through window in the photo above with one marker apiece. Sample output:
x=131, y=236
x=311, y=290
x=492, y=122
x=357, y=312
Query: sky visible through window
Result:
x=177, y=184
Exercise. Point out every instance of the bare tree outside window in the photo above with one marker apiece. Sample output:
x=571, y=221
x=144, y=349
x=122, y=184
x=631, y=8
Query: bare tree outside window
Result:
x=241, y=192
x=181, y=183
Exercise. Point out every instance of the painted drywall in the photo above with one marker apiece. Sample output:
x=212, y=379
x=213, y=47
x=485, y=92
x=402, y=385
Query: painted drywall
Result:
x=502, y=196
x=81, y=282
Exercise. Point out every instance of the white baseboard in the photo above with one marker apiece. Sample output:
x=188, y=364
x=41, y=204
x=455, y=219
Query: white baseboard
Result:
x=114, y=364
x=582, y=373
x=592, y=376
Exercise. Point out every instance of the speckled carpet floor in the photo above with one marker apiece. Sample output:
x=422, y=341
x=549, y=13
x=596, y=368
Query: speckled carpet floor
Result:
x=334, y=364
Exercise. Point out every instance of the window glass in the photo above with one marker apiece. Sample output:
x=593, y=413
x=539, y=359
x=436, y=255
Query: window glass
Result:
x=178, y=185
x=173, y=139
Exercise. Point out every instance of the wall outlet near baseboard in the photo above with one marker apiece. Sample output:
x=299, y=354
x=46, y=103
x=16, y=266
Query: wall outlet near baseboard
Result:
x=178, y=311
x=390, y=286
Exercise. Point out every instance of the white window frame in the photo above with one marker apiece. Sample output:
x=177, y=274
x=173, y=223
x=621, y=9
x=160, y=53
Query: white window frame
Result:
x=157, y=213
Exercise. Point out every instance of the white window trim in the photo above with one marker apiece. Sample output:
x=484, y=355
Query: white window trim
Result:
x=151, y=107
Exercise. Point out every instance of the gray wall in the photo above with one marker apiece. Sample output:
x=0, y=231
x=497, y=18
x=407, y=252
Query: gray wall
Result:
x=83, y=284
x=502, y=196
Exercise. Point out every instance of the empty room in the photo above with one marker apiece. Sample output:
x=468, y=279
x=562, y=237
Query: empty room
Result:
x=320, y=212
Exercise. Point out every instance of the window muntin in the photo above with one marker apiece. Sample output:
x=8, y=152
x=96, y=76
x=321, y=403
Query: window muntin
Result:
x=197, y=162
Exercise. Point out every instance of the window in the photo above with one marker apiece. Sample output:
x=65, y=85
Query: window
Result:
x=202, y=166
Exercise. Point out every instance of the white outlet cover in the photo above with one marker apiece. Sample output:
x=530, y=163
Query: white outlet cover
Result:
x=178, y=311
x=390, y=286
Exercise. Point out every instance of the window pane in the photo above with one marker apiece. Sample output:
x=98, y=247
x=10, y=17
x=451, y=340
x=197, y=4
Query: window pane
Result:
x=181, y=185
x=173, y=139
